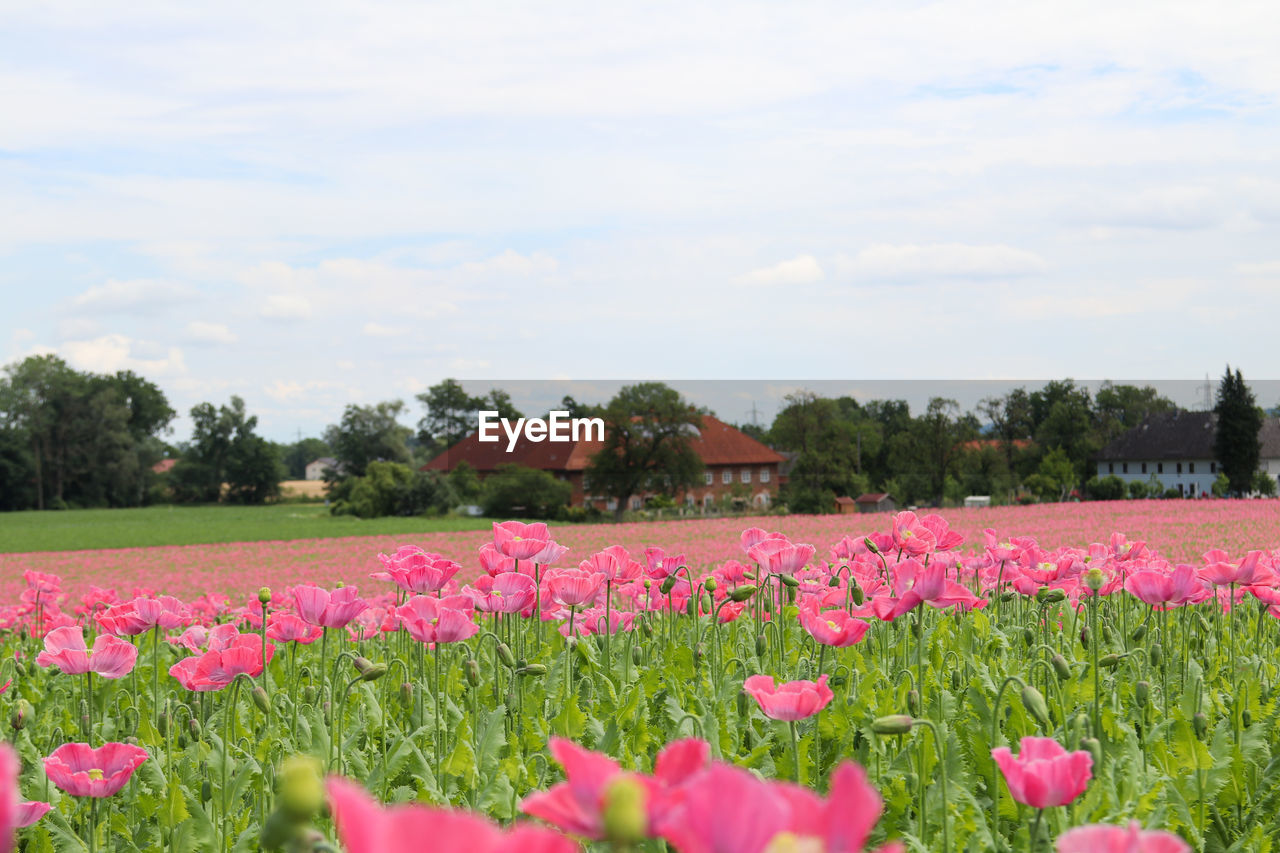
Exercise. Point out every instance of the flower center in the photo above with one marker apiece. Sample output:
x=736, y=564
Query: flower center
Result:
x=96, y=774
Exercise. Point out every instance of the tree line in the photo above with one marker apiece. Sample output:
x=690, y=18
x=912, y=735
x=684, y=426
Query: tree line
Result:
x=78, y=439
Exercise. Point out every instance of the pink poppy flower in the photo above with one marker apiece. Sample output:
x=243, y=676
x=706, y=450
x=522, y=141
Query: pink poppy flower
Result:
x=1044, y=774
x=431, y=620
x=83, y=771
x=142, y=615
x=216, y=669
x=753, y=536
x=30, y=811
x=944, y=537
x=910, y=536
x=64, y=648
x=416, y=571
x=834, y=627
x=41, y=583
x=1221, y=572
x=550, y=554
x=520, y=541
x=778, y=556
x=506, y=593
x=288, y=628
x=1120, y=839
x=365, y=827
x=574, y=587
x=614, y=563
x=845, y=819
x=794, y=700
x=328, y=609
x=494, y=562
x=659, y=565
x=1162, y=588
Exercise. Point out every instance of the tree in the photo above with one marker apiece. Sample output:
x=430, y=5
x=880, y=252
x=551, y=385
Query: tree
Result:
x=1118, y=408
x=1236, y=443
x=648, y=445
x=465, y=483
x=224, y=449
x=515, y=489
x=392, y=488
x=301, y=453
x=828, y=438
x=450, y=414
x=926, y=452
x=368, y=434
x=1264, y=484
x=1011, y=421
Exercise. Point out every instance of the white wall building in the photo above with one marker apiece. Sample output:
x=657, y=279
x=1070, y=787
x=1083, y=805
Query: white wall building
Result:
x=1176, y=448
x=315, y=470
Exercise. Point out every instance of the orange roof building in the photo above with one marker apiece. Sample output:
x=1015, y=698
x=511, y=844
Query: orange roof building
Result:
x=735, y=464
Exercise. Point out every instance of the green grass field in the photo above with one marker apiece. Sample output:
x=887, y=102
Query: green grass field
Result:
x=75, y=530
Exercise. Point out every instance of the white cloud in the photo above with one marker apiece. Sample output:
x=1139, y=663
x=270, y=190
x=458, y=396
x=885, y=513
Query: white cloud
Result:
x=285, y=306
x=803, y=269
x=885, y=262
x=136, y=295
x=209, y=333
x=111, y=353
x=377, y=330
x=1264, y=268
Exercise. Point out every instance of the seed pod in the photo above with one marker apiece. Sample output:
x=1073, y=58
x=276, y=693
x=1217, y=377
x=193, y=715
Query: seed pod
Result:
x=871, y=546
x=1008, y=596
x=1095, y=579
x=1142, y=693
x=893, y=724
x=362, y=665
x=1139, y=632
x=742, y=593
x=1109, y=661
x=636, y=656
x=1061, y=667
x=1028, y=637
x=1155, y=654
x=264, y=596
x=913, y=702
x=325, y=709
x=1095, y=749
x=1033, y=701
x=375, y=672
x=1106, y=633
x=194, y=725
x=308, y=694
x=646, y=627
x=691, y=606
x=761, y=645
x=162, y=724
x=505, y=655
x=623, y=811
x=473, y=672
x=1200, y=723
x=710, y=584
x=668, y=584
x=1053, y=596
x=261, y=699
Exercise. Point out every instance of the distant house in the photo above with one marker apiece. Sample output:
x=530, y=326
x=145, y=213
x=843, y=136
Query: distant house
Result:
x=876, y=502
x=846, y=505
x=977, y=501
x=1176, y=448
x=164, y=466
x=315, y=470
x=734, y=464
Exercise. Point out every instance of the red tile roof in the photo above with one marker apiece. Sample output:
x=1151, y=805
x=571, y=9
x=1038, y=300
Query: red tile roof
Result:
x=164, y=465
x=845, y=501
x=872, y=497
x=717, y=444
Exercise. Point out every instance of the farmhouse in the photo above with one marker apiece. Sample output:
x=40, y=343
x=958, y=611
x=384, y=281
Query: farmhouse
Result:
x=876, y=502
x=1176, y=448
x=736, y=466
x=315, y=470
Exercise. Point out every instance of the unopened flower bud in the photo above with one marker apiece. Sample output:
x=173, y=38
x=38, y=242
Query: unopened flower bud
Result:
x=194, y=725
x=668, y=584
x=406, y=694
x=472, y=670
x=261, y=699
x=742, y=593
x=871, y=546
x=532, y=669
x=505, y=655
x=855, y=592
x=893, y=724
x=1142, y=692
x=1095, y=579
x=761, y=645
x=374, y=672
x=636, y=655
x=206, y=791
x=1200, y=723
x=22, y=712
x=789, y=580
x=264, y=596
x=1061, y=667
x=1139, y=632
x=913, y=702
x=1052, y=596
x=362, y=664
x=1095, y=749
x=301, y=787
x=710, y=584
x=1033, y=701
x=1155, y=654
x=1109, y=661
x=624, y=810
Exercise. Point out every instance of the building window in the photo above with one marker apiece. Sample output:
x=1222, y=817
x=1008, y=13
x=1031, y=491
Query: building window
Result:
x=764, y=475
x=706, y=477
x=1111, y=467
x=1159, y=467
x=1191, y=467
x=746, y=475
x=637, y=503
x=612, y=505
x=726, y=476
x=1144, y=467
x=1179, y=467
x=1124, y=467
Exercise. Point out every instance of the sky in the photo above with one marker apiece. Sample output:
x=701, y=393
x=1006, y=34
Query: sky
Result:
x=315, y=204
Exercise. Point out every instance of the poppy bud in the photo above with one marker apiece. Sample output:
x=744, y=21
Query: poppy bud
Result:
x=1246, y=717
x=636, y=656
x=1139, y=632
x=742, y=703
x=20, y=668
x=1084, y=637
x=277, y=831
x=761, y=645
x=22, y=711
x=955, y=680
x=1050, y=596
x=1095, y=749
x=1142, y=693
x=325, y=709
x=1200, y=723
x=646, y=628
x=374, y=672
x=362, y=665
x=767, y=603
x=835, y=581
x=789, y=580
x=1033, y=701
x=691, y=606
x=406, y=694
x=893, y=724
x=504, y=655
x=1061, y=667
x=264, y=596
x=913, y=702
x=749, y=575
x=1095, y=579
x=668, y=584
x=261, y=699
x=1155, y=654
x=855, y=592
x=710, y=584
x=194, y=725
x=871, y=546
x=1008, y=596
x=308, y=695
x=162, y=724
x=340, y=584
x=1028, y=637
x=206, y=791
x=1109, y=661
x=699, y=652
x=742, y=593
x=837, y=680
x=302, y=792
x=532, y=669
x=1107, y=634
x=473, y=672
x=1202, y=622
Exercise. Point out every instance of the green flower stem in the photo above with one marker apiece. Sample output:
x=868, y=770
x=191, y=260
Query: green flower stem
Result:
x=942, y=766
x=795, y=751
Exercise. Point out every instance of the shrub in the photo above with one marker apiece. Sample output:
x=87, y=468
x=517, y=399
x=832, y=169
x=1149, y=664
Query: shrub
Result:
x=1108, y=488
x=390, y=488
x=1138, y=490
x=517, y=490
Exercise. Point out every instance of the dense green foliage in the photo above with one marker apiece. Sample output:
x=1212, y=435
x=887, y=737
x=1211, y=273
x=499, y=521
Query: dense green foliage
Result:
x=390, y=488
x=226, y=459
x=1236, y=441
x=514, y=490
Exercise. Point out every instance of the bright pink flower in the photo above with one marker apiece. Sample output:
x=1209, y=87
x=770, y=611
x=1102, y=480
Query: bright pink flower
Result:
x=64, y=648
x=365, y=827
x=520, y=541
x=83, y=771
x=845, y=819
x=509, y=592
x=10, y=770
x=328, y=609
x=574, y=587
x=794, y=700
x=217, y=668
x=1119, y=839
x=833, y=627
x=944, y=537
x=574, y=805
x=1044, y=774
x=1221, y=572
x=416, y=571
x=659, y=565
x=288, y=628
x=725, y=809
x=614, y=563
x=1163, y=588
x=551, y=554
x=41, y=583
x=431, y=620
x=753, y=536
x=781, y=557
x=29, y=812
x=910, y=536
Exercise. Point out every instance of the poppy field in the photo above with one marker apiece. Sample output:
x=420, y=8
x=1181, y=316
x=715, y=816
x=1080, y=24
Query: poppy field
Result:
x=907, y=682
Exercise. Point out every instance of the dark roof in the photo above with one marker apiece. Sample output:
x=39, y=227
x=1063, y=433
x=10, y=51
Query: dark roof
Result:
x=1182, y=435
x=716, y=443
x=872, y=497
